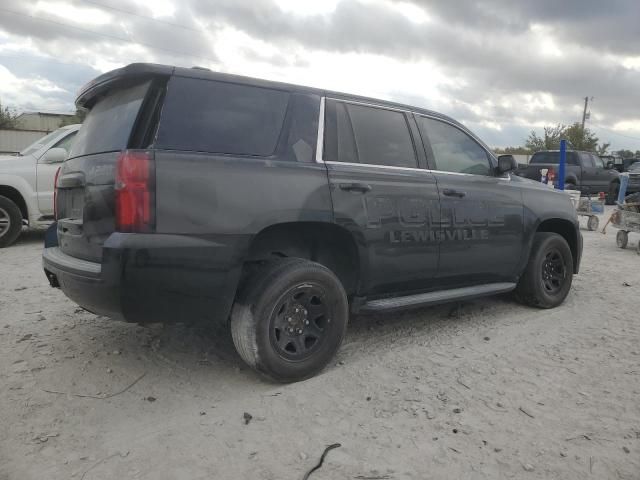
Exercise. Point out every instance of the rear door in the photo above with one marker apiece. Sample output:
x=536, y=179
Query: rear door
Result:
x=45, y=175
x=381, y=194
x=591, y=177
x=481, y=214
x=116, y=121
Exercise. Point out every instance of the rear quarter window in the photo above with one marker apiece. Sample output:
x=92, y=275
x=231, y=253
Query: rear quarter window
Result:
x=108, y=125
x=217, y=117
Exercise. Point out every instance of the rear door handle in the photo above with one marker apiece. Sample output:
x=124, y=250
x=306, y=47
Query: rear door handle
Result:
x=453, y=193
x=355, y=187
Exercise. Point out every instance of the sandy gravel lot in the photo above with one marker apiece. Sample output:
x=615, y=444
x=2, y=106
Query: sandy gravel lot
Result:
x=488, y=389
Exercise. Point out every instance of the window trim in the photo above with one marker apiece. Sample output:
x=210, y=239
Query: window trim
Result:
x=320, y=144
x=427, y=144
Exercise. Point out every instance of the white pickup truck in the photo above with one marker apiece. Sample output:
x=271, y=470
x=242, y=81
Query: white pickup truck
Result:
x=26, y=183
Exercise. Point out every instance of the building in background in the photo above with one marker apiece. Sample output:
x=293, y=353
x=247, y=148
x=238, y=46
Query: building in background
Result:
x=31, y=126
x=42, y=121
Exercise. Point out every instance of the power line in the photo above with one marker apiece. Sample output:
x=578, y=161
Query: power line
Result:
x=616, y=133
x=139, y=15
x=106, y=35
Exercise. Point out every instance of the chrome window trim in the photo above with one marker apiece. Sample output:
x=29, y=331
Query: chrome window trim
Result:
x=368, y=104
x=411, y=169
x=320, y=141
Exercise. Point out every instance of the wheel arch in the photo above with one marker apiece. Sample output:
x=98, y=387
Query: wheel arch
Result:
x=322, y=242
x=567, y=230
x=16, y=197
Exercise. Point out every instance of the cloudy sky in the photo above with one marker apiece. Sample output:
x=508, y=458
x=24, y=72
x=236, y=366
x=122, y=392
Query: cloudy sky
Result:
x=502, y=67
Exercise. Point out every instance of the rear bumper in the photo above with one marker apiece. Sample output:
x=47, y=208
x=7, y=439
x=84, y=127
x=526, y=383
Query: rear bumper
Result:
x=150, y=278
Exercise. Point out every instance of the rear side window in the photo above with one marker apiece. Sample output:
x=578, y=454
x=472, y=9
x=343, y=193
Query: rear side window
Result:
x=453, y=149
x=368, y=135
x=108, y=125
x=218, y=117
x=66, y=142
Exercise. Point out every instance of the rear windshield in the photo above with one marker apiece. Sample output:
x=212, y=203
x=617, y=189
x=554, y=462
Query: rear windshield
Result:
x=218, y=117
x=108, y=125
x=553, y=158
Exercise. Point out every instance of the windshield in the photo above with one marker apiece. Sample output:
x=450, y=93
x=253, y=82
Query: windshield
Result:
x=41, y=142
x=635, y=167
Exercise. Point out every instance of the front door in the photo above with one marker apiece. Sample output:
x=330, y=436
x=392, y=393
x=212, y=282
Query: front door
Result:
x=481, y=237
x=381, y=195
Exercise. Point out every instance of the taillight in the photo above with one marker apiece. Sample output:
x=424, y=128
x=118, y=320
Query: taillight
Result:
x=135, y=192
x=55, y=193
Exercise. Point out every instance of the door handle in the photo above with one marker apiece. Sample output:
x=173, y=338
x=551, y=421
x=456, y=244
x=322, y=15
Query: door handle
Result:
x=453, y=193
x=355, y=187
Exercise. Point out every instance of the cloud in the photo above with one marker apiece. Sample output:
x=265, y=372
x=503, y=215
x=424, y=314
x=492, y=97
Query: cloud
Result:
x=503, y=67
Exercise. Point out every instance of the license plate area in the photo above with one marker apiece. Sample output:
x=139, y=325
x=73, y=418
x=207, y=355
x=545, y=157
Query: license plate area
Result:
x=71, y=203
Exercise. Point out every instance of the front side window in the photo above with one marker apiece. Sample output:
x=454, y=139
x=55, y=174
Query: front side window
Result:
x=454, y=150
x=367, y=135
x=598, y=161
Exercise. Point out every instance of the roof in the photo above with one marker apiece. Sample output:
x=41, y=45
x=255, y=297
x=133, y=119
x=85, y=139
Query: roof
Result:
x=47, y=114
x=135, y=71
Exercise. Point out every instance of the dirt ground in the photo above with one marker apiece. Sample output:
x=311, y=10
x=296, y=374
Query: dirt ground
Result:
x=487, y=389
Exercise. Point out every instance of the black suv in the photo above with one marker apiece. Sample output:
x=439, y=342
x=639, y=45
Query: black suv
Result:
x=194, y=195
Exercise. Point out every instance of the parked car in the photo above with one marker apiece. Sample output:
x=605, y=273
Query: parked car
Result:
x=26, y=183
x=584, y=171
x=195, y=195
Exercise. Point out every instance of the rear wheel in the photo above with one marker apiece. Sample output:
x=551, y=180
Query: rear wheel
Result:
x=289, y=319
x=10, y=222
x=547, y=278
x=622, y=239
x=592, y=223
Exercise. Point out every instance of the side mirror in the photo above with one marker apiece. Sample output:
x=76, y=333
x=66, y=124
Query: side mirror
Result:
x=609, y=165
x=54, y=155
x=506, y=163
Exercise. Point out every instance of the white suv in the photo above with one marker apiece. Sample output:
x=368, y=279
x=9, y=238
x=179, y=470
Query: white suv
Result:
x=26, y=183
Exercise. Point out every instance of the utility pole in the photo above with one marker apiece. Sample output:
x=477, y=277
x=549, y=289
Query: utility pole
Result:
x=584, y=113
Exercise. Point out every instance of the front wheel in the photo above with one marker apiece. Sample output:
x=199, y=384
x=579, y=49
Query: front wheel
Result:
x=547, y=278
x=289, y=319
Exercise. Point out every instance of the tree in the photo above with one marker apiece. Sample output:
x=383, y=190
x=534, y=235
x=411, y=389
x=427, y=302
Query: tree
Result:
x=8, y=118
x=512, y=151
x=581, y=139
x=602, y=149
x=624, y=153
x=577, y=138
x=550, y=141
x=78, y=117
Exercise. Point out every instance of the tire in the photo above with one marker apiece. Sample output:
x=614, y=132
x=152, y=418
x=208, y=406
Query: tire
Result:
x=289, y=319
x=10, y=222
x=612, y=194
x=622, y=239
x=592, y=223
x=546, y=280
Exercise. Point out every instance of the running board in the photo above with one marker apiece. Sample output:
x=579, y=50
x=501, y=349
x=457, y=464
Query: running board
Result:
x=434, y=298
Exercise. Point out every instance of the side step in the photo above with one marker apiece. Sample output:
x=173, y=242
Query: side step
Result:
x=434, y=298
